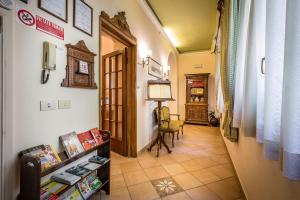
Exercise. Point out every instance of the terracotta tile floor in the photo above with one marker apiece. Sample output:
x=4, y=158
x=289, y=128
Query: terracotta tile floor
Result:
x=199, y=164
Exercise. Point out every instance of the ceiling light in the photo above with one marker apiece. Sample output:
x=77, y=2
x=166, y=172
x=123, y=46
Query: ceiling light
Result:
x=171, y=36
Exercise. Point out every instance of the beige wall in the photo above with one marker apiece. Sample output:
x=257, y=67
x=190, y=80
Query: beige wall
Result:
x=261, y=179
x=173, y=77
x=187, y=65
x=30, y=127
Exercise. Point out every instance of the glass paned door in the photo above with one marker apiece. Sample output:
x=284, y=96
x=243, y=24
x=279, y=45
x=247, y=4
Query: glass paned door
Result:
x=113, y=98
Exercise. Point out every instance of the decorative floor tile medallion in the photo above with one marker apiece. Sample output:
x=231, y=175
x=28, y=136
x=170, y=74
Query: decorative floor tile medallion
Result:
x=166, y=186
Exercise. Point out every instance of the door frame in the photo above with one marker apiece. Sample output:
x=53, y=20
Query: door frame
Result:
x=1, y=109
x=7, y=173
x=117, y=27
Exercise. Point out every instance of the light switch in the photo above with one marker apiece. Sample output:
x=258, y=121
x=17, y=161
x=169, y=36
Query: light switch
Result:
x=64, y=104
x=48, y=105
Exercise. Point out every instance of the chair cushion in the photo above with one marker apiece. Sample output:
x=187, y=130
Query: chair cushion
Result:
x=178, y=122
x=172, y=127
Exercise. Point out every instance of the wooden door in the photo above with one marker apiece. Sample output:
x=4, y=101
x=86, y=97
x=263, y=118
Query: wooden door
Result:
x=113, y=107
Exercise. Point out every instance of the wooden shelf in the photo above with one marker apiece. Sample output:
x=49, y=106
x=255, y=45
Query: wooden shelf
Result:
x=70, y=160
x=70, y=186
x=30, y=175
x=196, y=107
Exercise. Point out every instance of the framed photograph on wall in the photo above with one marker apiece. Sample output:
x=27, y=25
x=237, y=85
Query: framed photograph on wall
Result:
x=83, y=17
x=57, y=8
x=155, y=69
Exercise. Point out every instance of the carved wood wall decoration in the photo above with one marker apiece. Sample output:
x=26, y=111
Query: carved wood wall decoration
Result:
x=119, y=21
x=76, y=55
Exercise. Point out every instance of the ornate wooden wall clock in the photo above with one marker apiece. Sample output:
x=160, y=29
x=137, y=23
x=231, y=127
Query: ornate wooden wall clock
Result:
x=80, y=67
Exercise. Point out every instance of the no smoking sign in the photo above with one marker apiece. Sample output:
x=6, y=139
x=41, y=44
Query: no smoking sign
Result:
x=26, y=17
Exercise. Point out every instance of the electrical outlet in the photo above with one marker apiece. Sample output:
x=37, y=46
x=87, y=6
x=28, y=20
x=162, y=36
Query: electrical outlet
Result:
x=48, y=105
x=64, y=104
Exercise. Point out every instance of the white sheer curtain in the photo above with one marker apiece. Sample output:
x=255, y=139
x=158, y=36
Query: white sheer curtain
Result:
x=291, y=97
x=244, y=7
x=260, y=35
x=270, y=102
x=218, y=87
x=250, y=85
x=275, y=29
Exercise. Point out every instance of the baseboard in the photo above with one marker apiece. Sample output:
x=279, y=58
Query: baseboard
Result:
x=234, y=168
x=145, y=148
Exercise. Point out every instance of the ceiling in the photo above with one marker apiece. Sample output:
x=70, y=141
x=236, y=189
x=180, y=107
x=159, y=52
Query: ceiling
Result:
x=191, y=22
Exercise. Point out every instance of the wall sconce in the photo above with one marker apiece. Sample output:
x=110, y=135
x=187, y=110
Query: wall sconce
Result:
x=166, y=70
x=145, y=60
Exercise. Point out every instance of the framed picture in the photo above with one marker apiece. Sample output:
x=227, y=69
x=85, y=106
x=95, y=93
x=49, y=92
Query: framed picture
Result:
x=83, y=67
x=83, y=17
x=57, y=8
x=154, y=68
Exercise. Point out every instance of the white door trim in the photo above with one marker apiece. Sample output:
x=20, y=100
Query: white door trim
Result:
x=1, y=112
x=6, y=110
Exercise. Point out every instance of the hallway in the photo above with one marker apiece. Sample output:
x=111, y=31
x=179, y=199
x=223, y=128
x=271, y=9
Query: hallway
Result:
x=198, y=167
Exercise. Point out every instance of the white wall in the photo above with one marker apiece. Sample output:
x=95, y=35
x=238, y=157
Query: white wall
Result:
x=32, y=127
x=261, y=179
x=187, y=63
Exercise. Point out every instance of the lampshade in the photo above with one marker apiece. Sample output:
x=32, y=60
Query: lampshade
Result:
x=159, y=90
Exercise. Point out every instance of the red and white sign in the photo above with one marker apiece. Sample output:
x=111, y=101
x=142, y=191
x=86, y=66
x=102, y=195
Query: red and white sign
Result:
x=26, y=17
x=50, y=28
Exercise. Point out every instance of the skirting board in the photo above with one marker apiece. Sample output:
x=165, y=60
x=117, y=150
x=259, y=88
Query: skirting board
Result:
x=234, y=168
x=145, y=148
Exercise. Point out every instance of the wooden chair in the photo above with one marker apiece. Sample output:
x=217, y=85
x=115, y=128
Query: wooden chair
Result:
x=168, y=125
x=167, y=116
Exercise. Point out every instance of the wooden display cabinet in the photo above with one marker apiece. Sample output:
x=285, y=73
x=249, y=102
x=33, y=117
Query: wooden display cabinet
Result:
x=196, y=107
x=31, y=174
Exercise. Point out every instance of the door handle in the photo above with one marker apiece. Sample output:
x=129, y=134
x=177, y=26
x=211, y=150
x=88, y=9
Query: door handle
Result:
x=263, y=60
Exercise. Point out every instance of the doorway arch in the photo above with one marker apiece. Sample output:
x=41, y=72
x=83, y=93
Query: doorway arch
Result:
x=173, y=77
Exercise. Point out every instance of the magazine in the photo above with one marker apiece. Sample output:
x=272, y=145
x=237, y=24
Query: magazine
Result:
x=47, y=156
x=92, y=166
x=78, y=171
x=97, y=135
x=98, y=159
x=84, y=188
x=65, y=178
x=71, y=144
x=72, y=194
x=54, y=187
x=94, y=181
x=87, y=140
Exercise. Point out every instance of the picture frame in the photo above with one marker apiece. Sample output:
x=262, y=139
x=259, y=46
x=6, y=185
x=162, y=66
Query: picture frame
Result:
x=83, y=67
x=155, y=68
x=83, y=17
x=56, y=8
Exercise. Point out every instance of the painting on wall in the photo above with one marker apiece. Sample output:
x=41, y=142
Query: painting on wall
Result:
x=83, y=17
x=58, y=8
x=155, y=69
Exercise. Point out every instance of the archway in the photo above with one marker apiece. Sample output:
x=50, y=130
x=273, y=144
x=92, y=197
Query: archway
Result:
x=173, y=77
